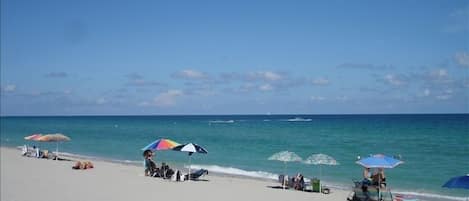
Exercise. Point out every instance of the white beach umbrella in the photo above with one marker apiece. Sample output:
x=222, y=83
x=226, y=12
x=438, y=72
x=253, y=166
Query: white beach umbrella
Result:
x=285, y=156
x=320, y=159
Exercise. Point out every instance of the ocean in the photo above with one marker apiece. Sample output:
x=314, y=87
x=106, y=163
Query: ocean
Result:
x=434, y=147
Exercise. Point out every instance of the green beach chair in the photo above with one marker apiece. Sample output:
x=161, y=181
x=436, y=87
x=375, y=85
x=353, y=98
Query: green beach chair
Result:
x=316, y=185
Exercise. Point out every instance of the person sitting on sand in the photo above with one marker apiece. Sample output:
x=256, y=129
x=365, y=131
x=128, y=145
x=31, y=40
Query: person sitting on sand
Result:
x=149, y=164
x=299, y=182
x=367, y=177
x=379, y=178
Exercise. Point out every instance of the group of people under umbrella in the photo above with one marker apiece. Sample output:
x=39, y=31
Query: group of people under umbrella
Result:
x=167, y=144
x=55, y=137
x=315, y=159
x=377, y=161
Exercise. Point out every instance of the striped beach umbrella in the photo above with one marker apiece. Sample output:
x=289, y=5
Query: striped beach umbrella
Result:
x=190, y=148
x=161, y=144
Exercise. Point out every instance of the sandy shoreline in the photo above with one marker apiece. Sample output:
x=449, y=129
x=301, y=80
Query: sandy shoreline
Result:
x=24, y=179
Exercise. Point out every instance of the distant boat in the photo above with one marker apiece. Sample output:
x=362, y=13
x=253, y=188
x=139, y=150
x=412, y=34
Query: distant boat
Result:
x=222, y=121
x=298, y=119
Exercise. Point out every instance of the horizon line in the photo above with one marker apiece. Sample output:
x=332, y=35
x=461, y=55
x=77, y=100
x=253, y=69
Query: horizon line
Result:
x=248, y=114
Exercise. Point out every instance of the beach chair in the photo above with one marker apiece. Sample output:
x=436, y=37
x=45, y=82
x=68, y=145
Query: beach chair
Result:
x=371, y=193
x=283, y=180
x=195, y=175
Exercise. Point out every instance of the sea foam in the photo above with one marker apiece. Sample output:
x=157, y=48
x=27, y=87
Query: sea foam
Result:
x=236, y=171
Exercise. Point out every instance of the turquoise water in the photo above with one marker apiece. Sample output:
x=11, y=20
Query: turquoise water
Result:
x=434, y=147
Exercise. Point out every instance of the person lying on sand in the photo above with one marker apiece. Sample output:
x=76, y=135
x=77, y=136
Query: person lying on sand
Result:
x=83, y=165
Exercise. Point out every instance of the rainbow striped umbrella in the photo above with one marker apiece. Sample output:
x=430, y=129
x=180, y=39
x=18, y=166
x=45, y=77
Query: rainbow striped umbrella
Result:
x=161, y=144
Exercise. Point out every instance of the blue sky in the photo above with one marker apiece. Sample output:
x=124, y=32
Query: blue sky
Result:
x=238, y=57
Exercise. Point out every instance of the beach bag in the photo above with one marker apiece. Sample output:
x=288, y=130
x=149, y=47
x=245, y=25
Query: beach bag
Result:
x=180, y=176
x=174, y=177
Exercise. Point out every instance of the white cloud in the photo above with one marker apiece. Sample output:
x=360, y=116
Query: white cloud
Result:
x=101, y=101
x=460, y=12
x=426, y=92
x=365, y=66
x=457, y=20
x=394, y=80
x=167, y=98
x=462, y=58
x=137, y=80
x=144, y=103
x=265, y=75
x=190, y=74
x=443, y=97
x=320, y=81
x=246, y=87
x=56, y=75
x=266, y=87
x=439, y=77
x=342, y=98
x=9, y=88
x=317, y=98
x=440, y=73
x=271, y=76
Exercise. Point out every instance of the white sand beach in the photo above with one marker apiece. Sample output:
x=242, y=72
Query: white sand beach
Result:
x=26, y=179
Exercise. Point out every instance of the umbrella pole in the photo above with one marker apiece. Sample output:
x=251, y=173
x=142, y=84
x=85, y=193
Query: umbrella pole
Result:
x=379, y=186
x=320, y=178
x=57, y=151
x=189, y=175
x=284, y=174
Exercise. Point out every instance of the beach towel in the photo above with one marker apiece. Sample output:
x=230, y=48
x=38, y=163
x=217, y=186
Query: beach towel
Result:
x=195, y=175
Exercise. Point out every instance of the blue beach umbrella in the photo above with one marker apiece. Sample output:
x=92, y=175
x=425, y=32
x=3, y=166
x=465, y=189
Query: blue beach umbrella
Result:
x=379, y=161
x=458, y=182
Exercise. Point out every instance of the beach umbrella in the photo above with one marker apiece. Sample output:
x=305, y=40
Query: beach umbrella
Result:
x=33, y=137
x=379, y=161
x=320, y=159
x=458, y=182
x=161, y=144
x=285, y=156
x=190, y=148
x=57, y=137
